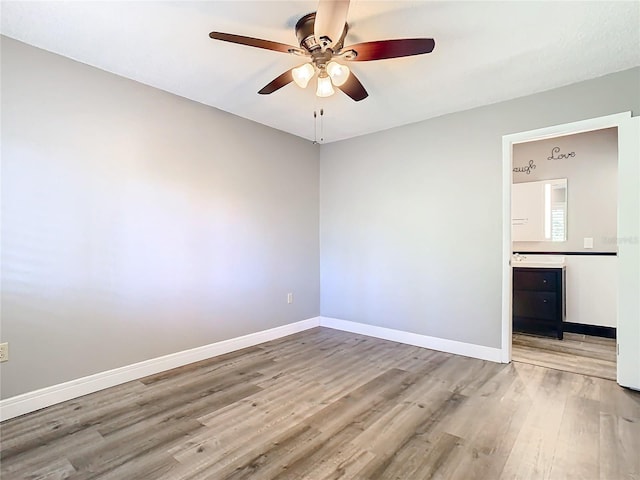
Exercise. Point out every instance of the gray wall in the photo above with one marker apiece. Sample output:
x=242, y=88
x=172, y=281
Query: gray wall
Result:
x=136, y=223
x=411, y=218
x=592, y=186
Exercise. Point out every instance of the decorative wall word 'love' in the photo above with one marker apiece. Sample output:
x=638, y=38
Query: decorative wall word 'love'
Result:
x=556, y=155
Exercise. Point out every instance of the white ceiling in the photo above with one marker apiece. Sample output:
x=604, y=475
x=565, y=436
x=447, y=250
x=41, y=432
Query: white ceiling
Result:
x=485, y=52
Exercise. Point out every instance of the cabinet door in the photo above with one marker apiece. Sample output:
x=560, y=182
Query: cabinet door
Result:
x=527, y=212
x=535, y=280
x=540, y=305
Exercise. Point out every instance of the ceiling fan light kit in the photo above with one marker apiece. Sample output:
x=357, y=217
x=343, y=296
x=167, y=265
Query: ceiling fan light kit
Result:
x=302, y=74
x=325, y=88
x=334, y=73
x=338, y=73
x=321, y=37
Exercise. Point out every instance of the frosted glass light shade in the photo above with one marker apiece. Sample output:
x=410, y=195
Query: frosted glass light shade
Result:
x=302, y=74
x=338, y=73
x=325, y=89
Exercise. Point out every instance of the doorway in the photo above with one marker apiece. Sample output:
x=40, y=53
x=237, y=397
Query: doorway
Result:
x=628, y=321
x=564, y=218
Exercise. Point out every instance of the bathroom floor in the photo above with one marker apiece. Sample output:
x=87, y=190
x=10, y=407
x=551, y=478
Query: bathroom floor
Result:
x=577, y=353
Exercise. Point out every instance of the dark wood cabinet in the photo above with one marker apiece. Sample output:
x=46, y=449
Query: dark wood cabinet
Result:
x=538, y=300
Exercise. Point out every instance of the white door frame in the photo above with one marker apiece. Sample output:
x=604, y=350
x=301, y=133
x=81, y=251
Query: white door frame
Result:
x=629, y=254
x=616, y=120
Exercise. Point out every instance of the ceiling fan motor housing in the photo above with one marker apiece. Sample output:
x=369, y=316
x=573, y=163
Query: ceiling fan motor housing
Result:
x=306, y=35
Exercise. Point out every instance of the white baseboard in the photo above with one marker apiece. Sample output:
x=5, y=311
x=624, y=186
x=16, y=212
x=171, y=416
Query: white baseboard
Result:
x=45, y=397
x=434, y=343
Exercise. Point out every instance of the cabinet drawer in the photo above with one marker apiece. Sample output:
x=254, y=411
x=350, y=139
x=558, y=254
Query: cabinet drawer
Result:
x=529, y=279
x=542, y=305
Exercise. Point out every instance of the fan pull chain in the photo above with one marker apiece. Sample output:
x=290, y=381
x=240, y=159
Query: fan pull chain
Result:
x=315, y=127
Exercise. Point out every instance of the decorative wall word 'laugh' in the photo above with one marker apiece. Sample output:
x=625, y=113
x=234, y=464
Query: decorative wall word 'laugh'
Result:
x=526, y=169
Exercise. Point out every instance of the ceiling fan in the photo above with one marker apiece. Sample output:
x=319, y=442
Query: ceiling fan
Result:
x=321, y=37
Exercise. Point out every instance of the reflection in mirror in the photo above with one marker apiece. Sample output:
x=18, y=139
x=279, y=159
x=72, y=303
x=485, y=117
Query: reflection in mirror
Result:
x=555, y=210
x=539, y=211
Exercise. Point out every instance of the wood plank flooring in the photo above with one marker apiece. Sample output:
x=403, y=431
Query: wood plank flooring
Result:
x=325, y=404
x=584, y=354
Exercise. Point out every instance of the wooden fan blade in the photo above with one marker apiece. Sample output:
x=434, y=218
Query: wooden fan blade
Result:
x=382, y=49
x=353, y=88
x=330, y=21
x=277, y=83
x=252, y=42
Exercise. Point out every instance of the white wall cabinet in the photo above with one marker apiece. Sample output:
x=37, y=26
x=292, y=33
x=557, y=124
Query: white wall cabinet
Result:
x=527, y=212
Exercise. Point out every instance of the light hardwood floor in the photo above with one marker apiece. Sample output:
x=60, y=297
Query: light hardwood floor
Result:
x=325, y=404
x=584, y=354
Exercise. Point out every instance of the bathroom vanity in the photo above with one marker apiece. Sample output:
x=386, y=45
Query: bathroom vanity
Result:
x=539, y=297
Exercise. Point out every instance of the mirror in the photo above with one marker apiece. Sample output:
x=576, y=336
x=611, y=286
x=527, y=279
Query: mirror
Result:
x=539, y=211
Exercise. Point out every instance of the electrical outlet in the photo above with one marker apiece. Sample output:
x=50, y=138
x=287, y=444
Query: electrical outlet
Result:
x=4, y=352
x=289, y=297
